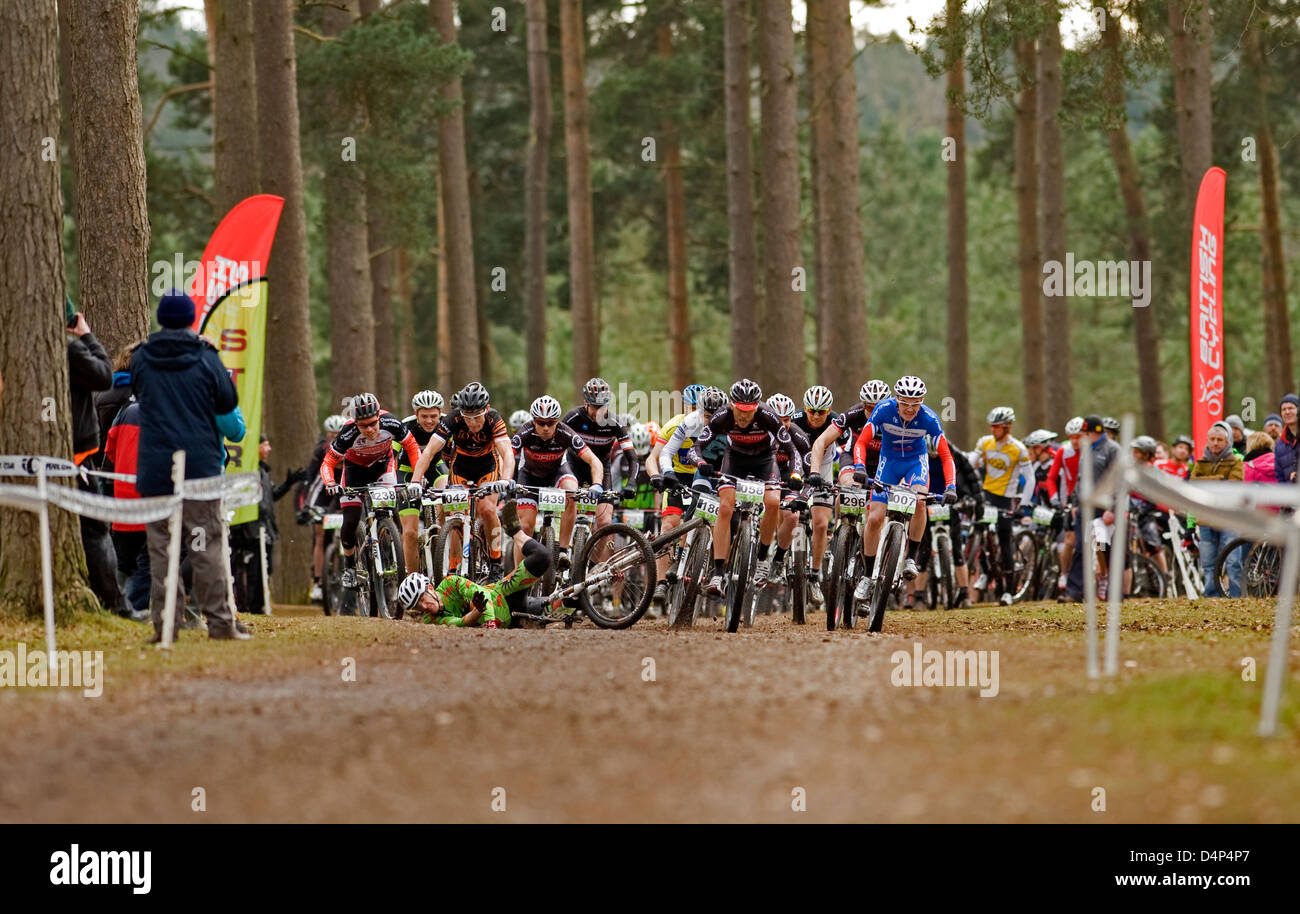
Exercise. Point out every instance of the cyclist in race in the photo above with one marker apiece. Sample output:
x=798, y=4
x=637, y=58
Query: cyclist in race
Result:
x=365, y=448
x=968, y=487
x=815, y=420
x=461, y=602
x=426, y=407
x=754, y=437
x=481, y=453
x=643, y=435
x=790, y=471
x=1062, y=477
x=1041, y=454
x=542, y=446
x=518, y=419
x=603, y=434
x=1008, y=476
x=853, y=421
x=1152, y=519
x=903, y=420
x=314, y=495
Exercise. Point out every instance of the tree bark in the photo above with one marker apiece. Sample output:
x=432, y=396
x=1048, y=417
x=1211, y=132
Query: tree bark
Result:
x=1189, y=21
x=1051, y=171
x=782, y=342
x=443, y=334
x=847, y=336
x=535, y=182
x=819, y=134
x=352, y=327
x=408, y=369
x=577, y=152
x=33, y=346
x=1032, y=348
x=742, y=254
x=958, y=287
x=234, y=125
x=112, y=218
x=381, y=303
x=1146, y=333
x=289, y=388
x=679, y=316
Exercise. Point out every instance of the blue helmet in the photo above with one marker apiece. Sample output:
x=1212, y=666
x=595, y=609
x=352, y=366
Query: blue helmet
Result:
x=691, y=393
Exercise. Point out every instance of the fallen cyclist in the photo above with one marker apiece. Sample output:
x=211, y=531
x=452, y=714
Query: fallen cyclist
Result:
x=457, y=600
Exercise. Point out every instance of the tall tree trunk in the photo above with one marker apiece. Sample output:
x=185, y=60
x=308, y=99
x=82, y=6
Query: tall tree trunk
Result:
x=958, y=288
x=234, y=126
x=1189, y=21
x=289, y=388
x=577, y=152
x=742, y=253
x=1051, y=188
x=782, y=342
x=1032, y=344
x=65, y=120
x=443, y=335
x=33, y=347
x=847, y=343
x=381, y=280
x=352, y=328
x=409, y=377
x=819, y=134
x=1146, y=335
x=112, y=218
x=679, y=316
x=458, y=243
x=535, y=180
x=1277, y=319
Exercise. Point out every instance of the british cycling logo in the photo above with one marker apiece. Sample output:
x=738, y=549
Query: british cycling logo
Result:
x=36, y=669
x=78, y=867
x=945, y=668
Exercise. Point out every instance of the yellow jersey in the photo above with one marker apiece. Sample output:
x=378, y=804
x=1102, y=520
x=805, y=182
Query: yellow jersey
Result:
x=1007, y=470
x=684, y=442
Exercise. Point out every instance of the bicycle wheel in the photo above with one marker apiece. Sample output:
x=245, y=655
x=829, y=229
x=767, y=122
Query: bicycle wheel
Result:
x=886, y=561
x=943, y=575
x=833, y=578
x=619, y=600
x=738, y=585
x=1023, y=557
x=389, y=577
x=697, y=565
x=332, y=589
x=1221, y=563
x=1261, y=570
x=854, y=568
x=447, y=549
x=578, y=545
x=798, y=585
x=480, y=559
x=1147, y=581
x=545, y=585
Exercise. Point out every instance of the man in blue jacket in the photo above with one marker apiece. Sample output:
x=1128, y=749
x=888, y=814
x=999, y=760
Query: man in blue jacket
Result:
x=182, y=388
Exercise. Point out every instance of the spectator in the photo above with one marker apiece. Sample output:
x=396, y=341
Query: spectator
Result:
x=1259, y=460
x=1284, y=464
x=121, y=449
x=108, y=403
x=89, y=370
x=1103, y=450
x=1238, y=433
x=182, y=388
x=245, y=541
x=1273, y=425
x=1219, y=461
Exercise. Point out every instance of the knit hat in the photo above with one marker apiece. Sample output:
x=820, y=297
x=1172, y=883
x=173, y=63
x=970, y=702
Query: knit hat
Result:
x=1289, y=398
x=1273, y=417
x=1235, y=421
x=176, y=310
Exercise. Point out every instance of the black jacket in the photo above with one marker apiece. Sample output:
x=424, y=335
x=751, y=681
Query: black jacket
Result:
x=89, y=370
x=108, y=403
x=182, y=387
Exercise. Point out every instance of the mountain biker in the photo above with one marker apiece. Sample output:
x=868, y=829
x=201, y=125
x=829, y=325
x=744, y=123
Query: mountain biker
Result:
x=426, y=407
x=518, y=419
x=853, y=420
x=789, y=471
x=365, y=448
x=543, y=445
x=314, y=495
x=1007, y=476
x=817, y=419
x=1042, y=452
x=1061, y=480
x=1152, y=519
x=602, y=433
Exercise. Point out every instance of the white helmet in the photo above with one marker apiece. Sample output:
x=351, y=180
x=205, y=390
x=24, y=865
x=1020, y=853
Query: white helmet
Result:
x=1074, y=426
x=427, y=399
x=1001, y=415
x=909, y=386
x=410, y=590
x=818, y=397
x=1039, y=436
x=518, y=419
x=640, y=437
x=781, y=405
x=874, y=391
x=334, y=424
x=545, y=407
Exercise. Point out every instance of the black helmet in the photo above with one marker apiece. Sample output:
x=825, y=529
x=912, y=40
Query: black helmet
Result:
x=596, y=392
x=746, y=393
x=1183, y=439
x=712, y=400
x=473, y=397
x=365, y=406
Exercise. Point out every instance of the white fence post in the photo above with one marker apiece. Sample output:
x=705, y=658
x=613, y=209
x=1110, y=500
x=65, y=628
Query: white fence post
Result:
x=174, y=550
x=47, y=571
x=1276, y=675
x=1118, y=543
x=266, y=578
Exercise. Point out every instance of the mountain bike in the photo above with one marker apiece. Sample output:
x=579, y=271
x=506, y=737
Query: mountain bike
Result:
x=887, y=575
x=380, y=565
x=942, y=582
x=984, y=554
x=1183, y=558
x=1146, y=580
x=1043, y=580
x=692, y=544
x=333, y=594
x=1261, y=567
x=453, y=551
x=792, y=585
x=843, y=559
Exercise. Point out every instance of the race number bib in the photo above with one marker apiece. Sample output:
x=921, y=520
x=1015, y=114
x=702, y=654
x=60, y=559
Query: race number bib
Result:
x=332, y=521
x=551, y=500
x=854, y=501
x=383, y=497
x=938, y=512
x=990, y=515
x=455, y=498
x=706, y=506
x=587, y=503
x=634, y=518
x=1043, y=516
x=901, y=500
x=749, y=491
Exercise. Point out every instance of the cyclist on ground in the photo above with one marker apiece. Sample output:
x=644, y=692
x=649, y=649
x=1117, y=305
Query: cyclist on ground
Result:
x=364, y=446
x=426, y=409
x=903, y=420
x=873, y=393
x=603, y=433
x=790, y=471
x=815, y=420
x=543, y=445
x=754, y=436
x=481, y=453
x=1008, y=477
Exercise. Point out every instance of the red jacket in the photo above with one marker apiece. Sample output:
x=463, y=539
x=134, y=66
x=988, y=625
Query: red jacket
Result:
x=120, y=453
x=1064, y=473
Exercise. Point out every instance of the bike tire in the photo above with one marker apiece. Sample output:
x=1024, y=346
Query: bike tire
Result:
x=738, y=583
x=1221, y=562
x=641, y=573
x=1146, y=582
x=389, y=578
x=697, y=565
x=799, y=586
x=833, y=578
x=848, y=568
x=331, y=588
x=944, y=575
x=1261, y=571
x=444, y=547
x=1025, y=553
x=545, y=585
x=880, y=597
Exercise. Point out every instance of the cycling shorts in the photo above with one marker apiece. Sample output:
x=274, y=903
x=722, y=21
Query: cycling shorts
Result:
x=473, y=470
x=760, y=466
x=552, y=480
x=912, y=471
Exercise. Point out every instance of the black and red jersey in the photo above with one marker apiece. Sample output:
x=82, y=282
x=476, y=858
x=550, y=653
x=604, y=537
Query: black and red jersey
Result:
x=471, y=444
x=853, y=421
x=763, y=435
x=542, y=455
x=602, y=436
x=350, y=445
x=802, y=446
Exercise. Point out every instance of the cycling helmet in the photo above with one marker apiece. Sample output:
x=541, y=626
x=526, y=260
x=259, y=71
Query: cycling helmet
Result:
x=455, y=400
x=691, y=393
x=545, y=407
x=712, y=400
x=410, y=590
x=1039, y=437
x=653, y=429
x=909, y=386
x=641, y=439
x=1074, y=426
x=1110, y=424
x=334, y=424
x=818, y=397
x=1146, y=444
x=1001, y=415
x=365, y=406
x=518, y=419
x=596, y=392
x=473, y=397
x=781, y=405
x=745, y=394
x=875, y=390
x=427, y=399
x=1183, y=439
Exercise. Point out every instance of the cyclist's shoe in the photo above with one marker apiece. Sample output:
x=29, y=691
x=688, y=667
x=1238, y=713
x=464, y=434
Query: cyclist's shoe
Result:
x=510, y=517
x=717, y=586
x=761, y=572
x=864, y=588
x=815, y=593
x=496, y=571
x=661, y=593
x=910, y=570
x=563, y=561
x=982, y=582
x=316, y=594
x=1005, y=599
x=349, y=578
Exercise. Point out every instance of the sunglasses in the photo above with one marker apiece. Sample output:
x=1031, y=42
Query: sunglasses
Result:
x=371, y=424
x=478, y=415
x=545, y=423
x=816, y=412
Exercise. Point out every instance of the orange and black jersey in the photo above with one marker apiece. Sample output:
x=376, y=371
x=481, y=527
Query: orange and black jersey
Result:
x=601, y=437
x=763, y=435
x=543, y=455
x=455, y=431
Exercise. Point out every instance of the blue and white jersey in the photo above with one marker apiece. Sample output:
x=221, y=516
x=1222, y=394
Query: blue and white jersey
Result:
x=899, y=438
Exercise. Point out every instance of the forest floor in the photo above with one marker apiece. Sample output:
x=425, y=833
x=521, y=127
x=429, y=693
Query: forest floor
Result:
x=780, y=723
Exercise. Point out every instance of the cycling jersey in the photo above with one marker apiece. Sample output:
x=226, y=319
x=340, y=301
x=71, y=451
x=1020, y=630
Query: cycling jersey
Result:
x=853, y=421
x=601, y=435
x=454, y=430
x=800, y=420
x=456, y=594
x=1043, y=469
x=1007, y=469
x=677, y=436
x=763, y=435
x=802, y=446
x=406, y=468
x=354, y=449
x=903, y=443
x=1064, y=474
x=541, y=455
